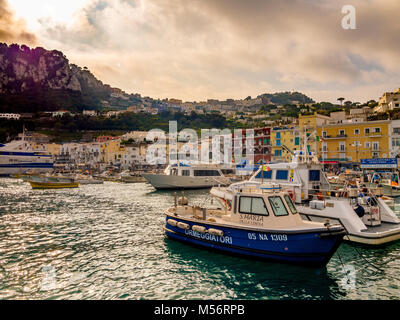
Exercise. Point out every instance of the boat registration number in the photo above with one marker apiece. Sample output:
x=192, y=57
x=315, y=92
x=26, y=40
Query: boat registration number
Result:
x=265, y=237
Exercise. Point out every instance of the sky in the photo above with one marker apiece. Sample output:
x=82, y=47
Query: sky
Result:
x=217, y=49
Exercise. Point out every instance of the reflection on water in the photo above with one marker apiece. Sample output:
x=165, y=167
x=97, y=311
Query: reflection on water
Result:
x=107, y=242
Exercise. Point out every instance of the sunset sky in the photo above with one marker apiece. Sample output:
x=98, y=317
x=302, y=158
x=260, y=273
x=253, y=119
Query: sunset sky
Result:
x=203, y=49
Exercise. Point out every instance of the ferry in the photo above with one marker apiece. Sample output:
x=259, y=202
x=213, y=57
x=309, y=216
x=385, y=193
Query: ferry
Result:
x=17, y=157
x=180, y=176
x=364, y=213
x=263, y=224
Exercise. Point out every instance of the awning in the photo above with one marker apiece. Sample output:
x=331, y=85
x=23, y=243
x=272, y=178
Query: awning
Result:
x=329, y=162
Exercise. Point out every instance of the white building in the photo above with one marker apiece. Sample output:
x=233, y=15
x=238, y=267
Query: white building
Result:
x=10, y=116
x=82, y=153
x=59, y=113
x=91, y=113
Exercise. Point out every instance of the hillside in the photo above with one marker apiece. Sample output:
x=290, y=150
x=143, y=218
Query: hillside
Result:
x=33, y=80
x=285, y=98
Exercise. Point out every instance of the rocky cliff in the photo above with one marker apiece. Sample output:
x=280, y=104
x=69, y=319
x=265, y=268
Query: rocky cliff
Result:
x=41, y=80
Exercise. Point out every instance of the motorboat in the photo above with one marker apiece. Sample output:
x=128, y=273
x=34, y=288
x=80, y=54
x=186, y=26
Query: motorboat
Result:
x=263, y=224
x=44, y=182
x=180, y=176
x=131, y=177
x=365, y=215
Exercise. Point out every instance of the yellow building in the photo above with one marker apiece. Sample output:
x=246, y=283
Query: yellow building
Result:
x=308, y=129
x=112, y=152
x=351, y=142
x=283, y=139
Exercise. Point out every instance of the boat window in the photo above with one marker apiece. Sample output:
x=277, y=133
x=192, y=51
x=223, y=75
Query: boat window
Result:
x=314, y=175
x=277, y=206
x=282, y=174
x=174, y=172
x=245, y=205
x=253, y=205
x=267, y=175
x=227, y=171
x=206, y=173
x=290, y=204
x=186, y=173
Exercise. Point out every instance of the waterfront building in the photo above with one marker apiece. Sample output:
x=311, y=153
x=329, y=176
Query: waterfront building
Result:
x=348, y=142
x=394, y=138
x=262, y=144
x=284, y=140
x=307, y=128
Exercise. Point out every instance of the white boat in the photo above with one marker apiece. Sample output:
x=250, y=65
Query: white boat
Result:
x=362, y=212
x=18, y=157
x=188, y=177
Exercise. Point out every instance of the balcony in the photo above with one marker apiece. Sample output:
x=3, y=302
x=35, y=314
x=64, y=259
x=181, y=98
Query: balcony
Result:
x=373, y=134
x=339, y=136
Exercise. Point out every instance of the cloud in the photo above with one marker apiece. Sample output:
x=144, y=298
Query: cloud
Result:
x=12, y=29
x=202, y=49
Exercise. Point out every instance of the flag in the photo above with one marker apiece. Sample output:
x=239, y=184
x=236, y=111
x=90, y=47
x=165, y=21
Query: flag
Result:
x=266, y=168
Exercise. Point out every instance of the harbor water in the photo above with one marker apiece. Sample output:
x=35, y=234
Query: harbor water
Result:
x=107, y=242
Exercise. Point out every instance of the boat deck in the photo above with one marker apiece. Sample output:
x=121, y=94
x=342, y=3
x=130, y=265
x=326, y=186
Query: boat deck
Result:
x=384, y=227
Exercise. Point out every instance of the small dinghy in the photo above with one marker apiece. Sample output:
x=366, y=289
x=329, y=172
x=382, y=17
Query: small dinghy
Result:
x=263, y=224
x=52, y=183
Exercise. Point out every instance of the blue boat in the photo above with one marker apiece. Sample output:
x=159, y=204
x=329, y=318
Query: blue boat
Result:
x=262, y=224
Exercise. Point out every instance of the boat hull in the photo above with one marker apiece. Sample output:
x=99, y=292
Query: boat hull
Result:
x=165, y=182
x=306, y=248
x=47, y=185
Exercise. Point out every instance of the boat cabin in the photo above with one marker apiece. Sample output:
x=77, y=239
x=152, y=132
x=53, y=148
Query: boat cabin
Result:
x=193, y=171
x=264, y=208
x=304, y=176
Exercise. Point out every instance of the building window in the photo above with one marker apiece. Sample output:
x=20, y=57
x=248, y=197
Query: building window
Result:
x=375, y=146
x=377, y=130
x=368, y=145
x=342, y=132
x=278, y=143
x=367, y=130
x=357, y=131
x=324, y=135
x=342, y=146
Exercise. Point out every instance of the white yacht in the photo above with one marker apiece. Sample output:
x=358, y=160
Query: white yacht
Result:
x=17, y=157
x=188, y=177
x=362, y=212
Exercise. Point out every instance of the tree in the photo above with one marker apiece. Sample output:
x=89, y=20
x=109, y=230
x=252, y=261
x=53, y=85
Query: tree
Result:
x=341, y=101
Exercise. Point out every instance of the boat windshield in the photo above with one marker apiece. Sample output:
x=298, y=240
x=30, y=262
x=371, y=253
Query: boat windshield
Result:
x=277, y=206
x=290, y=204
x=253, y=205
